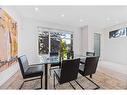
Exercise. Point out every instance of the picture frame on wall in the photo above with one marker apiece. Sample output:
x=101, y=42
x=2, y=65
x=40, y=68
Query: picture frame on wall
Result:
x=118, y=33
x=8, y=40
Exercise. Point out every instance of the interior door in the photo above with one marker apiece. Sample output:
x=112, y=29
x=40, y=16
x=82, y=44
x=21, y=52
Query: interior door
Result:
x=97, y=44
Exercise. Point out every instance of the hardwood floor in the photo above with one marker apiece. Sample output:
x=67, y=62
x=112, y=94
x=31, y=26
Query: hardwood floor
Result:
x=101, y=78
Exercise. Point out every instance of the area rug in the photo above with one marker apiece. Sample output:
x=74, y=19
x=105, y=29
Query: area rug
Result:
x=103, y=80
x=84, y=82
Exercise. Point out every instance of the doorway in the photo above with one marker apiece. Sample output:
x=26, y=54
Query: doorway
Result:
x=97, y=41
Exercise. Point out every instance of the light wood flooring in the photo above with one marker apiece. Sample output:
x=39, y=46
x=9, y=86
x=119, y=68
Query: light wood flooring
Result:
x=104, y=80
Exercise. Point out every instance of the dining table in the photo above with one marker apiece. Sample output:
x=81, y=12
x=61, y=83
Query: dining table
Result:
x=54, y=60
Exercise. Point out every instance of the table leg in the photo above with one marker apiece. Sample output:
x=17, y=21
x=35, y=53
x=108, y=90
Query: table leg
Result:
x=46, y=76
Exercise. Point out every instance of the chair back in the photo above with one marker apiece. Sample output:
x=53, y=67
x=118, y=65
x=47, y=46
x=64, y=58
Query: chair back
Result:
x=24, y=65
x=90, y=53
x=90, y=65
x=69, y=70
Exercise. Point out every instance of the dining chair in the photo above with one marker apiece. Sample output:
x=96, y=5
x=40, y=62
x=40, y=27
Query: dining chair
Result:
x=90, y=53
x=29, y=71
x=68, y=71
x=89, y=67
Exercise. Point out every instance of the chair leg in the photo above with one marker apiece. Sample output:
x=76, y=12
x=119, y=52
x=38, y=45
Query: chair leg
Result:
x=91, y=76
x=41, y=80
x=30, y=80
x=72, y=85
x=50, y=71
x=54, y=81
x=79, y=84
x=22, y=85
x=93, y=83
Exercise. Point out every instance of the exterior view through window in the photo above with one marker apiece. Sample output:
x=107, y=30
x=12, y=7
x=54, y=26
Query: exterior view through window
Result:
x=51, y=41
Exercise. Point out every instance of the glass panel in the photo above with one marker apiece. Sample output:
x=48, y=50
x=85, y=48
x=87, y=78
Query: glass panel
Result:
x=55, y=45
x=59, y=42
x=68, y=43
x=55, y=34
x=61, y=35
x=44, y=34
x=43, y=42
x=66, y=35
x=66, y=47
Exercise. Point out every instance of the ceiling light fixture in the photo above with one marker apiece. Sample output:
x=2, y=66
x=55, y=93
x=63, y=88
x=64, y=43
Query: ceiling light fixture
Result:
x=36, y=9
x=108, y=19
x=81, y=20
x=62, y=15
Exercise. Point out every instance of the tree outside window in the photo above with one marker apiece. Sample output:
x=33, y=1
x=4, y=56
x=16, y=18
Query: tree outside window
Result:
x=56, y=42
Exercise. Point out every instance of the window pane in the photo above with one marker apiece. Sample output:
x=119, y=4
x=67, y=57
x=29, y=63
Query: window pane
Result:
x=55, y=45
x=59, y=42
x=68, y=43
x=66, y=35
x=43, y=42
x=44, y=34
x=55, y=34
x=66, y=47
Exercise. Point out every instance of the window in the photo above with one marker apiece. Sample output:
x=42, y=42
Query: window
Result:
x=55, y=44
x=50, y=41
x=118, y=33
x=43, y=42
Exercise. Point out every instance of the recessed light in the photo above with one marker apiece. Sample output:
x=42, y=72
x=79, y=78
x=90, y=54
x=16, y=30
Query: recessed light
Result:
x=81, y=20
x=62, y=15
x=108, y=19
x=36, y=9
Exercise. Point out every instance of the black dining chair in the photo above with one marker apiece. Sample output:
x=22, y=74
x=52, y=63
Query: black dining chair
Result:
x=90, y=53
x=89, y=67
x=54, y=65
x=68, y=71
x=29, y=71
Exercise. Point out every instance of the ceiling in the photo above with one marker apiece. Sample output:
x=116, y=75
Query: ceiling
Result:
x=99, y=16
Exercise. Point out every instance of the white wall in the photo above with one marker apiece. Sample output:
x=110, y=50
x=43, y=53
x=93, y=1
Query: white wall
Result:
x=84, y=40
x=87, y=38
x=29, y=37
x=114, y=50
x=5, y=75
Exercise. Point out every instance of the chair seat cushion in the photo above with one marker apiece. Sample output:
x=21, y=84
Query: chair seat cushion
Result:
x=82, y=60
x=81, y=67
x=34, y=71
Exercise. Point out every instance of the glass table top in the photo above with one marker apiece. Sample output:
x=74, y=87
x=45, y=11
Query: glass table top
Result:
x=56, y=59
x=50, y=60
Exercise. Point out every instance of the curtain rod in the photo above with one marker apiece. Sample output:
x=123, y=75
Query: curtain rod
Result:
x=55, y=29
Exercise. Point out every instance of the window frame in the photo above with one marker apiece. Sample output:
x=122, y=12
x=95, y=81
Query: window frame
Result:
x=51, y=30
